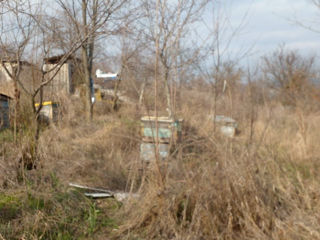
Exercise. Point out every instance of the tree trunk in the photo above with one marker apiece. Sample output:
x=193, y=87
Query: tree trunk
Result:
x=141, y=96
x=115, y=95
x=167, y=91
x=86, y=64
x=16, y=110
x=88, y=101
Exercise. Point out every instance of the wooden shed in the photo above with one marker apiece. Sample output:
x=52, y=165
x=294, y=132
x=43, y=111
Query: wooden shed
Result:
x=27, y=76
x=4, y=111
x=64, y=80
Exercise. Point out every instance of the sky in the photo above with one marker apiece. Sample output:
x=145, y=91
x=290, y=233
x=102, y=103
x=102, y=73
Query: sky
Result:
x=268, y=24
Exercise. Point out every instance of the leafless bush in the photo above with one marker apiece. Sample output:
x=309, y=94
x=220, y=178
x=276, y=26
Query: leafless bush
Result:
x=290, y=76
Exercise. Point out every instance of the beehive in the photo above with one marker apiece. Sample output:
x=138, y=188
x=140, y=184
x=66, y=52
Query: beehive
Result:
x=49, y=111
x=168, y=129
x=228, y=126
x=162, y=130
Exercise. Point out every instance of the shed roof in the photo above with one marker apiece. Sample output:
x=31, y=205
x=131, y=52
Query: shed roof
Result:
x=56, y=59
x=4, y=97
x=15, y=61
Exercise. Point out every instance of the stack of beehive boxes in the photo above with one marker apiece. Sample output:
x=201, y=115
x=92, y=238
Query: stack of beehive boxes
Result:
x=164, y=131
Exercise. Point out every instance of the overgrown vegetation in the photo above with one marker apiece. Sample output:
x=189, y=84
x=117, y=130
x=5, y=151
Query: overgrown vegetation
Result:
x=262, y=183
x=54, y=214
x=258, y=186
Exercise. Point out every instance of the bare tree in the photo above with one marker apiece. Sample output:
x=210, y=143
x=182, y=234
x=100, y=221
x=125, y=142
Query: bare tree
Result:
x=289, y=75
x=92, y=19
x=16, y=33
x=31, y=40
x=169, y=35
x=313, y=19
x=220, y=66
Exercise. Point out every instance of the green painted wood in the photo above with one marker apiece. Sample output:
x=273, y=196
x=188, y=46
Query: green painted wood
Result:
x=147, y=151
x=162, y=132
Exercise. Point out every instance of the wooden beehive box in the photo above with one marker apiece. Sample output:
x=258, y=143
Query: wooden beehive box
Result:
x=49, y=111
x=169, y=130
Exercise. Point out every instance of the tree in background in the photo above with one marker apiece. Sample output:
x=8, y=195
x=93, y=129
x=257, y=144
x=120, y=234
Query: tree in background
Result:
x=169, y=36
x=289, y=75
x=16, y=33
x=25, y=47
x=91, y=21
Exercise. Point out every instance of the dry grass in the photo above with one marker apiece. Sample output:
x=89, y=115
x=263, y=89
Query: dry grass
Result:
x=261, y=187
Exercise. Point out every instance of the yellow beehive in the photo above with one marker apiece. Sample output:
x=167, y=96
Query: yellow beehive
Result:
x=49, y=111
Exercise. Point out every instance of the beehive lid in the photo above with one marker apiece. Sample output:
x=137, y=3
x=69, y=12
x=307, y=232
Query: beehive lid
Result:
x=224, y=119
x=45, y=103
x=4, y=97
x=160, y=119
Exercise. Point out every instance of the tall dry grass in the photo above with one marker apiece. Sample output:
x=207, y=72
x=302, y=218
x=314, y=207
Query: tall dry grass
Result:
x=38, y=204
x=262, y=184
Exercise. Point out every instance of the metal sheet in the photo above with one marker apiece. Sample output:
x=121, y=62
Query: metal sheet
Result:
x=90, y=188
x=98, y=195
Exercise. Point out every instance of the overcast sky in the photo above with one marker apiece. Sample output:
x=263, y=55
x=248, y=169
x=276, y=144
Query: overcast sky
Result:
x=270, y=23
